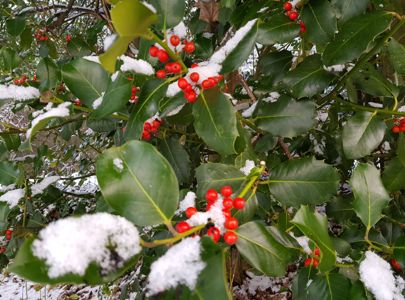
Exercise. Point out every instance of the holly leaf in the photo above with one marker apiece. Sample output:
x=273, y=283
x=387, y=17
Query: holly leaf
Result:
x=332, y=286
x=171, y=12
x=396, y=53
x=9, y=173
x=277, y=29
x=347, y=9
x=394, y=175
x=48, y=74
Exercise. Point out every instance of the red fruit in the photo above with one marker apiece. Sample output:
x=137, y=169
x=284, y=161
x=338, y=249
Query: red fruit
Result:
x=226, y=213
x=77, y=102
x=189, y=47
x=188, y=89
x=239, y=203
x=308, y=262
x=8, y=232
x=194, y=76
x=227, y=203
x=231, y=223
x=395, y=264
x=153, y=51
x=174, y=40
x=194, y=65
x=303, y=28
x=293, y=15
x=155, y=123
x=35, y=77
x=190, y=211
x=230, y=237
x=214, y=233
x=226, y=191
x=162, y=56
x=147, y=126
x=8, y=237
x=311, y=261
x=176, y=68
x=182, y=83
x=2, y=249
x=288, y=6
x=207, y=84
x=169, y=67
x=68, y=38
x=161, y=74
x=315, y=263
x=220, y=77
x=211, y=195
x=317, y=252
x=153, y=129
x=146, y=135
x=395, y=129
x=191, y=97
x=182, y=227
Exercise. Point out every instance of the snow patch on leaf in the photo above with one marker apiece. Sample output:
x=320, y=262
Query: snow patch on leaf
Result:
x=188, y=201
x=138, y=66
x=12, y=197
x=149, y=6
x=39, y=188
x=249, y=165
x=92, y=58
x=118, y=164
x=19, y=93
x=214, y=215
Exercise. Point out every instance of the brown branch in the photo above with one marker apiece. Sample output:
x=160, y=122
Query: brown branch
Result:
x=247, y=88
x=284, y=146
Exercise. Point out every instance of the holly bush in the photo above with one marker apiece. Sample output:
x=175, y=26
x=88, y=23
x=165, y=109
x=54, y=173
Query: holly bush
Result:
x=285, y=119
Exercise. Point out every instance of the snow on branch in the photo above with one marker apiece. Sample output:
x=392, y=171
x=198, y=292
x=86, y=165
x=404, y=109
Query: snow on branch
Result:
x=12, y=197
x=39, y=187
x=138, y=66
x=19, y=93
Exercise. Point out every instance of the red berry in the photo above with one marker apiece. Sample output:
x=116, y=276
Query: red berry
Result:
x=207, y=84
x=226, y=213
x=2, y=249
x=317, y=252
x=163, y=56
x=315, y=263
x=395, y=264
x=231, y=223
x=8, y=232
x=182, y=227
x=303, y=28
x=154, y=129
x=211, y=195
x=395, y=129
x=147, y=126
x=214, y=233
x=174, y=40
x=153, y=51
x=155, y=123
x=230, y=237
x=194, y=76
x=161, y=74
x=194, y=65
x=189, y=89
x=190, y=211
x=191, y=97
x=8, y=237
x=239, y=203
x=176, y=68
x=293, y=15
x=308, y=262
x=227, y=203
x=35, y=77
x=68, y=38
x=146, y=135
x=226, y=191
x=220, y=77
x=169, y=67
x=189, y=47
x=311, y=261
x=288, y=6
x=182, y=83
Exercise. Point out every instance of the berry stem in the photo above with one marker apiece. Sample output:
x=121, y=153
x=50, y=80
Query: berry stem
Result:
x=251, y=182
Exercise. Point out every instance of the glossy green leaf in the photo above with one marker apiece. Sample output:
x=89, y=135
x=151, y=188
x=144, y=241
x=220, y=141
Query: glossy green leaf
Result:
x=354, y=37
x=15, y=26
x=315, y=227
x=26, y=38
x=362, y=134
x=140, y=185
x=320, y=20
x=370, y=196
x=215, y=176
x=77, y=47
x=347, y=9
x=396, y=53
x=215, y=121
x=247, y=213
x=235, y=58
x=394, y=175
x=48, y=74
x=116, y=97
x=277, y=29
x=9, y=173
x=401, y=148
x=275, y=64
x=257, y=245
x=152, y=92
x=308, y=78
x=10, y=57
x=286, y=117
x=87, y=80
x=329, y=287
x=399, y=250
x=170, y=12
x=303, y=181
x=177, y=156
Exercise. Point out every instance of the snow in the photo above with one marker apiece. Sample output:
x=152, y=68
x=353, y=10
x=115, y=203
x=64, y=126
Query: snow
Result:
x=205, y=69
x=19, y=93
x=118, y=164
x=138, y=66
x=92, y=58
x=97, y=102
x=149, y=6
x=378, y=278
x=180, y=30
x=214, y=215
x=249, y=112
x=273, y=97
x=12, y=197
x=181, y=264
x=175, y=111
x=60, y=111
x=303, y=241
x=6, y=188
x=38, y=188
x=108, y=41
x=188, y=201
x=172, y=90
x=70, y=245
x=249, y=165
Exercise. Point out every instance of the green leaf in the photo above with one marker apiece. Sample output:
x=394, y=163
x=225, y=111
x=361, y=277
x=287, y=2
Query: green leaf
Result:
x=399, y=250
x=370, y=196
x=9, y=173
x=247, y=213
x=27, y=266
x=170, y=12
x=308, y=78
x=15, y=26
x=362, y=134
x=258, y=246
x=87, y=80
x=394, y=175
x=235, y=58
x=315, y=227
x=78, y=47
x=347, y=9
x=215, y=121
x=152, y=92
x=26, y=38
x=215, y=176
x=303, y=181
x=400, y=148
x=11, y=59
x=329, y=287
x=275, y=64
x=116, y=97
x=355, y=37
x=396, y=53
x=48, y=74
x=177, y=156
x=286, y=117
x=145, y=189
x=277, y=29
x=320, y=19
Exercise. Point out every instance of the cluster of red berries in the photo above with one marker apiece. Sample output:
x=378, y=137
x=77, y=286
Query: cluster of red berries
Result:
x=8, y=233
x=293, y=15
x=399, y=125
x=21, y=80
x=68, y=38
x=150, y=128
x=189, y=88
x=40, y=35
x=231, y=223
x=134, y=97
x=396, y=265
x=313, y=261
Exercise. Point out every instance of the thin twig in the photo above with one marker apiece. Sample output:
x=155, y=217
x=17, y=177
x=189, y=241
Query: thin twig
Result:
x=284, y=146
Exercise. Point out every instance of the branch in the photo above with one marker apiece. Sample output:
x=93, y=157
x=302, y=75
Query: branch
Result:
x=284, y=146
x=247, y=88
